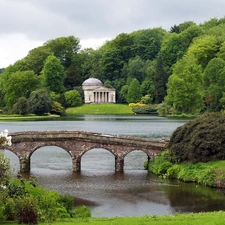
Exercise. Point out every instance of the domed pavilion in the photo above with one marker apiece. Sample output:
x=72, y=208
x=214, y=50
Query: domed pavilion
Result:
x=95, y=92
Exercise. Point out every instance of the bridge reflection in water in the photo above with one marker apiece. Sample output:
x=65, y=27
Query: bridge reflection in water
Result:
x=77, y=143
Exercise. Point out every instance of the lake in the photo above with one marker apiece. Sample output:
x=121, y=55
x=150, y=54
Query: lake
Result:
x=108, y=193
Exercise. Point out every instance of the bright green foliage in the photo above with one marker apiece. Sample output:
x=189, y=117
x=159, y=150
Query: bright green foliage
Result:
x=40, y=102
x=203, y=49
x=19, y=84
x=54, y=74
x=82, y=212
x=134, y=92
x=221, y=53
x=214, y=81
x=73, y=98
x=185, y=91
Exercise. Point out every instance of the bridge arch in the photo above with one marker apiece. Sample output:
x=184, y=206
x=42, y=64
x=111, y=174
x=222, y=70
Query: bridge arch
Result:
x=102, y=158
x=76, y=143
x=51, y=155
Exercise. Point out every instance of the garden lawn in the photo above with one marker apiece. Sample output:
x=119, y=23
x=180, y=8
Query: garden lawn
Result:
x=212, y=218
x=100, y=109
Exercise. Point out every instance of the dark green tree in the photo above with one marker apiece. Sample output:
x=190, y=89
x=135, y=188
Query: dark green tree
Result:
x=160, y=81
x=40, y=102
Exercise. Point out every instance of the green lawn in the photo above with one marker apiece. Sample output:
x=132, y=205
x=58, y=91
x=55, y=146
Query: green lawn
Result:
x=100, y=109
x=213, y=218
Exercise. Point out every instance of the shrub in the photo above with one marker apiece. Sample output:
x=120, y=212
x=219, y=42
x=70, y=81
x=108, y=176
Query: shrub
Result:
x=200, y=140
x=9, y=208
x=68, y=202
x=58, y=109
x=73, y=98
x=21, y=107
x=4, y=166
x=82, y=211
x=40, y=102
x=27, y=211
x=146, y=109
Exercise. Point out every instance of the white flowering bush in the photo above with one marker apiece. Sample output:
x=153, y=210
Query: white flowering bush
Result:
x=5, y=140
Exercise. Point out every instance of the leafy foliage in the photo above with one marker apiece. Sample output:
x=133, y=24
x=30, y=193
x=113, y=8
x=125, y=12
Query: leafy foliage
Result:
x=40, y=102
x=200, y=140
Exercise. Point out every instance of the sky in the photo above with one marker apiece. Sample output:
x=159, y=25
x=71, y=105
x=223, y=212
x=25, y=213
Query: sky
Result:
x=26, y=24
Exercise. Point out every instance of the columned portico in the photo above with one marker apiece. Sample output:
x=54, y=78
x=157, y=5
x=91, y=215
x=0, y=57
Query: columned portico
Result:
x=95, y=92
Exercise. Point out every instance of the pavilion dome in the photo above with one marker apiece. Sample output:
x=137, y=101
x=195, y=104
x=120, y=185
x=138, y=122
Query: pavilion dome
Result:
x=92, y=82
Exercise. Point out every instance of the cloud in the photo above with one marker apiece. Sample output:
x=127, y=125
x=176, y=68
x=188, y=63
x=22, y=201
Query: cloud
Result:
x=97, y=20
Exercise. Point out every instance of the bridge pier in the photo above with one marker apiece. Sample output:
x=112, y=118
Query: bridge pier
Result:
x=119, y=164
x=76, y=164
x=24, y=164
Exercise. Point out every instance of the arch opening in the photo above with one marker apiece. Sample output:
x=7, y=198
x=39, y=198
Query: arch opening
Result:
x=98, y=159
x=135, y=160
x=51, y=158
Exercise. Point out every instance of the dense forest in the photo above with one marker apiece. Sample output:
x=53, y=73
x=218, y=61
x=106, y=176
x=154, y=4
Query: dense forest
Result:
x=181, y=70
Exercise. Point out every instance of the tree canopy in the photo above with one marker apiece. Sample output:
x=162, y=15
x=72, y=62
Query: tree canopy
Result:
x=182, y=68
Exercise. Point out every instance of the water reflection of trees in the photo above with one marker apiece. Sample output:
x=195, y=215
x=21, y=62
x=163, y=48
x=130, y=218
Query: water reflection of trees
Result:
x=190, y=197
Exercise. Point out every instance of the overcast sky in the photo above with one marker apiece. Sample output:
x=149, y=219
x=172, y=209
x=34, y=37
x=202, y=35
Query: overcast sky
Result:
x=26, y=24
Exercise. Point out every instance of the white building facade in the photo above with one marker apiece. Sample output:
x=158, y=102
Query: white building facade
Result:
x=95, y=92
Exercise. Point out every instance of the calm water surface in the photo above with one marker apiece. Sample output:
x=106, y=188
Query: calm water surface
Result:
x=134, y=192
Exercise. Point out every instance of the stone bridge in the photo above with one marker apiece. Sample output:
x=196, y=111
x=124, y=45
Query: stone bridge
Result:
x=77, y=143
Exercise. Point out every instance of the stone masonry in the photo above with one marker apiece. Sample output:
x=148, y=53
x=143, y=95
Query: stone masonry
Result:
x=77, y=143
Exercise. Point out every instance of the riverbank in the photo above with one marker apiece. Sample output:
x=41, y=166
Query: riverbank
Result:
x=211, y=218
x=100, y=109
x=210, y=173
x=17, y=117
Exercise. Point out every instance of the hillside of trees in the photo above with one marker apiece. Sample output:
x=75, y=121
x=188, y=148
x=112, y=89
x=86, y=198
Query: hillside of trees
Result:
x=182, y=70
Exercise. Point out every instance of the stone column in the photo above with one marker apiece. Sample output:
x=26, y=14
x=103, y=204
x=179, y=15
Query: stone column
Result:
x=119, y=164
x=24, y=164
x=76, y=165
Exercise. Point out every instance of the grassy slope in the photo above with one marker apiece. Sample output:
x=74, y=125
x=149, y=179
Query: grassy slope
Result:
x=213, y=218
x=100, y=109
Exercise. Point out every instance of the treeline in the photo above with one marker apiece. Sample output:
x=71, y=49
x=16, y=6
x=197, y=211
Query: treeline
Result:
x=183, y=69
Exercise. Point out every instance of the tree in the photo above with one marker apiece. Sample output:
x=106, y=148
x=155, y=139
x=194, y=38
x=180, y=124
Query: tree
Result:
x=64, y=48
x=21, y=107
x=134, y=93
x=40, y=102
x=73, y=98
x=54, y=75
x=147, y=43
x=19, y=84
x=214, y=82
x=185, y=90
x=204, y=48
x=36, y=58
x=160, y=81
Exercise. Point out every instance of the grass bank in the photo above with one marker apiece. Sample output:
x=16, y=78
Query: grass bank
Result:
x=209, y=173
x=212, y=218
x=100, y=109
x=17, y=117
